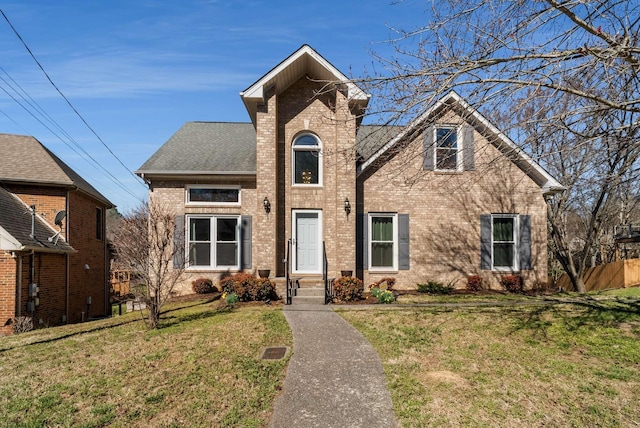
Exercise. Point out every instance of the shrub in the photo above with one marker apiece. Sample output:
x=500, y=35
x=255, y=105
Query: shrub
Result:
x=512, y=283
x=230, y=298
x=384, y=284
x=22, y=324
x=249, y=288
x=474, y=283
x=385, y=296
x=347, y=288
x=203, y=286
x=435, y=287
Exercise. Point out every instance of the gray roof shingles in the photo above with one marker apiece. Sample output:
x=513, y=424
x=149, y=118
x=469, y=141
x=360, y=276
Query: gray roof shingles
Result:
x=15, y=218
x=26, y=160
x=206, y=147
x=226, y=148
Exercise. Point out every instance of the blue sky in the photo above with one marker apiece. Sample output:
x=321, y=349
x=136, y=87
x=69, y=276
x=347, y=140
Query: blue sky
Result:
x=137, y=70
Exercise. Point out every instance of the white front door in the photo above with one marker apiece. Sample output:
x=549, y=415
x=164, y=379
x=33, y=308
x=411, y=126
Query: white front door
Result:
x=307, y=241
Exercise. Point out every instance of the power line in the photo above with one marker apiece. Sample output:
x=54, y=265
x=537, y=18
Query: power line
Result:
x=66, y=99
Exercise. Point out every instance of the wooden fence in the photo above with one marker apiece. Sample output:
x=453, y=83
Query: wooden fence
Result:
x=120, y=282
x=619, y=274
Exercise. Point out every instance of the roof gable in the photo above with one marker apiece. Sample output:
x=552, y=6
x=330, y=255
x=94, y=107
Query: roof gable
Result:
x=303, y=61
x=452, y=100
x=26, y=160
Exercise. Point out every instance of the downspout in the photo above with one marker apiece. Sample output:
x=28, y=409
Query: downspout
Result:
x=18, y=258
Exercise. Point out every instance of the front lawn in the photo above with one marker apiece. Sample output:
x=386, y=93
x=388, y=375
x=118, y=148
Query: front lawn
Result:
x=544, y=365
x=202, y=368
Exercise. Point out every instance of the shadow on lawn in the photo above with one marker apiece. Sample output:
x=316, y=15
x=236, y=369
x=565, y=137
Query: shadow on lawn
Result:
x=92, y=326
x=580, y=312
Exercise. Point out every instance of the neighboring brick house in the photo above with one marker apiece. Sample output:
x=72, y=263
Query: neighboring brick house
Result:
x=68, y=261
x=445, y=197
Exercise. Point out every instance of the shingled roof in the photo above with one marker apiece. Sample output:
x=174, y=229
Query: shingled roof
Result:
x=26, y=160
x=230, y=148
x=206, y=148
x=15, y=228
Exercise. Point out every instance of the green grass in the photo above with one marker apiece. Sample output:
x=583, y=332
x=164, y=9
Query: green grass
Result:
x=202, y=368
x=548, y=365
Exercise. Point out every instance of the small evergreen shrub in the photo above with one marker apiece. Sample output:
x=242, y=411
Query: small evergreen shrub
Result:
x=231, y=298
x=435, y=287
x=203, y=286
x=347, y=289
x=512, y=283
x=249, y=288
x=474, y=283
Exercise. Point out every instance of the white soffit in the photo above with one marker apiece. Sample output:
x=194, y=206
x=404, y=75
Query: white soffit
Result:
x=303, y=61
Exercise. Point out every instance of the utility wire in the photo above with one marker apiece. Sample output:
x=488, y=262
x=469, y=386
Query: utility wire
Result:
x=116, y=181
x=66, y=99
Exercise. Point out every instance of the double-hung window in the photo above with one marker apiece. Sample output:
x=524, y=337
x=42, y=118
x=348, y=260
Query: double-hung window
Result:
x=214, y=242
x=504, y=241
x=213, y=195
x=447, y=153
x=307, y=167
x=383, y=242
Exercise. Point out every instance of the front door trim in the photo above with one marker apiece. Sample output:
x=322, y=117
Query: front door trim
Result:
x=294, y=234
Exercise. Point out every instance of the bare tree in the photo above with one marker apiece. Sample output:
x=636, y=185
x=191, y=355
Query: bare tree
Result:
x=148, y=244
x=563, y=71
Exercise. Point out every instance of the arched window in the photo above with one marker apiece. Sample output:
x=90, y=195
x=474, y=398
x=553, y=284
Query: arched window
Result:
x=307, y=168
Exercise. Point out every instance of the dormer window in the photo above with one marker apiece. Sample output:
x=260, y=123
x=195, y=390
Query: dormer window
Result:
x=307, y=169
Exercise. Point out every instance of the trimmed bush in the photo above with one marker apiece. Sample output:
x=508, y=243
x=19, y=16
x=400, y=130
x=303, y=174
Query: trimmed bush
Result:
x=435, y=287
x=512, y=283
x=347, y=289
x=249, y=288
x=231, y=298
x=203, y=286
x=474, y=283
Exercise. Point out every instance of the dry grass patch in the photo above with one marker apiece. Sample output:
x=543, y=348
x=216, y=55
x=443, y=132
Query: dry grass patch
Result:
x=200, y=369
x=555, y=365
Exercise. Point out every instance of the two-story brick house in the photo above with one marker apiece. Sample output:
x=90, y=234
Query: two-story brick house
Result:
x=52, y=235
x=445, y=197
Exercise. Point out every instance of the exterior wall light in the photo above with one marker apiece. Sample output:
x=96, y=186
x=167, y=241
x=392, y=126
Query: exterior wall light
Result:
x=347, y=206
x=267, y=205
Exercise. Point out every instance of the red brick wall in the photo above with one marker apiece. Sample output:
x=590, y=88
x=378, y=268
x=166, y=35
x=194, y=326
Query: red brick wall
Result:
x=7, y=291
x=79, y=229
x=90, y=251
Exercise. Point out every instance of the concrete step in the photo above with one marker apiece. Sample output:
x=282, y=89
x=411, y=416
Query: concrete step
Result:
x=307, y=300
x=309, y=292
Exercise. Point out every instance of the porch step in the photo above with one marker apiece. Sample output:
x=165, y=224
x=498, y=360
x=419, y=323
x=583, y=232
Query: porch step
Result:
x=309, y=292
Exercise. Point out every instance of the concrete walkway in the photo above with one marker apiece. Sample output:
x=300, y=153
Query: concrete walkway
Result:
x=334, y=378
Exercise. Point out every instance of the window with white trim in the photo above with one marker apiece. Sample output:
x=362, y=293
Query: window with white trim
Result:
x=213, y=242
x=447, y=149
x=213, y=195
x=504, y=239
x=383, y=242
x=307, y=168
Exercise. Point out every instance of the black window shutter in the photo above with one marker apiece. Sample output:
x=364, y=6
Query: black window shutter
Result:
x=178, y=242
x=485, y=242
x=403, y=242
x=468, y=149
x=525, y=242
x=362, y=249
x=428, y=149
x=245, y=238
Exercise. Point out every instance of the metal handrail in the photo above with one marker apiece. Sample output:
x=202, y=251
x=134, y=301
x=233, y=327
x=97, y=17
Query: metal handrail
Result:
x=288, y=281
x=328, y=292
